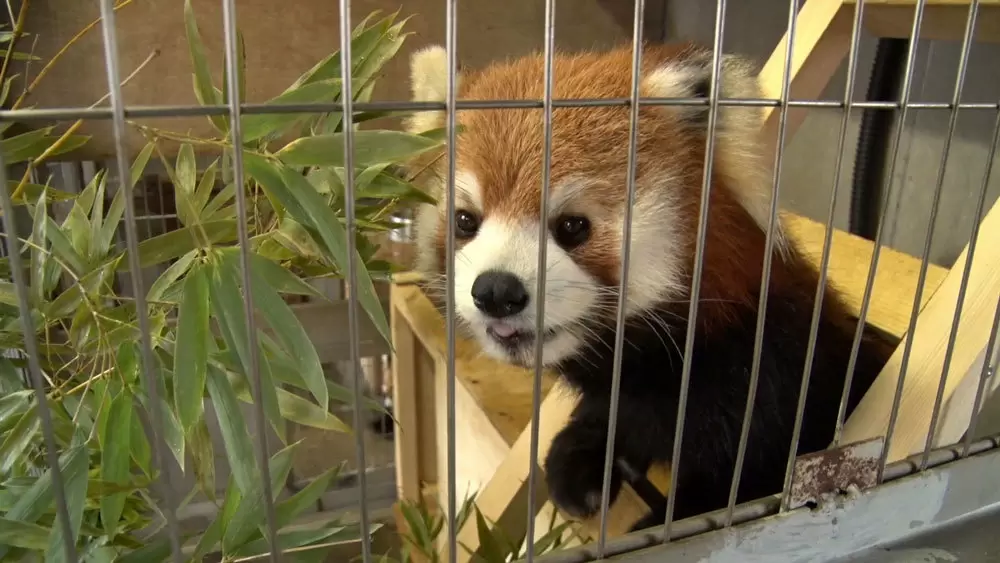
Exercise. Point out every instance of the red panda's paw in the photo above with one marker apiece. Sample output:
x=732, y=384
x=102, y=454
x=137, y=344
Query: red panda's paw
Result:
x=574, y=471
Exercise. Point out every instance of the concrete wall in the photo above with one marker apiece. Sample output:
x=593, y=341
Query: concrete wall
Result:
x=754, y=28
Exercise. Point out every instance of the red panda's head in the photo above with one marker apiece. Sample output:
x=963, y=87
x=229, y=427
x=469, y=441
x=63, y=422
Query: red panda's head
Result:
x=499, y=166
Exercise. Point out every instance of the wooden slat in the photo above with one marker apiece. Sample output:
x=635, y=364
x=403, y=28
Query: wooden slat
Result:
x=895, y=278
x=822, y=41
x=926, y=362
x=943, y=19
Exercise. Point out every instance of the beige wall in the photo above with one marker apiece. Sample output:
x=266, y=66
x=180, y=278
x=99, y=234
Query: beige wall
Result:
x=283, y=39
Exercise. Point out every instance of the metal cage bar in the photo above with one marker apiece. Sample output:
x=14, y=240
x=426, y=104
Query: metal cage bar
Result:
x=34, y=366
x=765, y=281
x=451, y=125
x=346, y=75
x=542, y=269
x=242, y=214
x=149, y=371
x=136, y=112
x=852, y=67
x=626, y=254
x=699, y=258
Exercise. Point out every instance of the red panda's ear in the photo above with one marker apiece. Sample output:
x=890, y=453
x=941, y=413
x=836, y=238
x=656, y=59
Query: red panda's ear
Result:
x=738, y=139
x=429, y=83
x=690, y=76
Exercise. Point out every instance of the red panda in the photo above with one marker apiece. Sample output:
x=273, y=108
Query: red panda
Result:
x=499, y=155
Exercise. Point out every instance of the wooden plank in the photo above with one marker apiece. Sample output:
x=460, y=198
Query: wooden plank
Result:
x=926, y=363
x=943, y=19
x=895, y=278
x=504, y=499
x=405, y=407
x=822, y=41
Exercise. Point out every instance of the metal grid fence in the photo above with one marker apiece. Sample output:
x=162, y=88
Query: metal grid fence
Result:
x=119, y=111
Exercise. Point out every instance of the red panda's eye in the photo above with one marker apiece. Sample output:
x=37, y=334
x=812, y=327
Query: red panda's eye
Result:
x=571, y=230
x=466, y=224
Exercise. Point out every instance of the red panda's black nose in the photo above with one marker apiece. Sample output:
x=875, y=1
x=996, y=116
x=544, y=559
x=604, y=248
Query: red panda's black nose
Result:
x=499, y=294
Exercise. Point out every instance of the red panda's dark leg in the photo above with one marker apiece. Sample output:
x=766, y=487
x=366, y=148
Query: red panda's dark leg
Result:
x=574, y=467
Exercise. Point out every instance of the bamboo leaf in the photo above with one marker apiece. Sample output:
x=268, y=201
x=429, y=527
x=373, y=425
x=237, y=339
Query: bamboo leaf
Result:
x=223, y=197
x=191, y=351
x=31, y=192
x=227, y=306
x=38, y=498
x=23, y=149
x=203, y=455
x=115, y=441
x=117, y=208
x=8, y=294
x=288, y=510
x=286, y=327
x=251, y=513
x=156, y=550
x=295, y=409
x=170, y=276
x=19, y=56
x=14, y=404
x=308, y=208
x=550, y=538
x=234, y=430
x=177, y=243
x=22, y=143
x=362, y=35
x=62, y=248
x=332, y=531
x=490, y=547
x=370, y=147
x=30, y=145
x=141, y=160
x=127, y=362
x=39, y=251
x=204, y=90
x=281, y=279
x=416, y=524
x=385, y=186
x=75, y=485
x=205, y=187
x=70, y=300
x=171, y=430
x=257, y=126
x=139, y=447
x=17, y=440
x=213, y=535
x=187, y=178
x=15, y=533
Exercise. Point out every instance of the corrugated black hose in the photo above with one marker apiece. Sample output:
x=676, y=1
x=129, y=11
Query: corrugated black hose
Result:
x=884, y=85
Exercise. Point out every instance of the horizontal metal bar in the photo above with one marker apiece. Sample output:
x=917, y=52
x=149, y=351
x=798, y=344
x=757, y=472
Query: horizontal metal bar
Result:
x=755, y=510
x=919, y=505
x=134, y=112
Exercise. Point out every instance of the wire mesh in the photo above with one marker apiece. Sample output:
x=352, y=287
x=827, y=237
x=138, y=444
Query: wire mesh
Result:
x=235, y=109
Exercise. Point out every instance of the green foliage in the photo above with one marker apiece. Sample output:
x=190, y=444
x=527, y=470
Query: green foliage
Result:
x=88, y=332
x=420, y=540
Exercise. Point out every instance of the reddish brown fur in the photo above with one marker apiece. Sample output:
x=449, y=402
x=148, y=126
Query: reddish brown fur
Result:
x=504, y=149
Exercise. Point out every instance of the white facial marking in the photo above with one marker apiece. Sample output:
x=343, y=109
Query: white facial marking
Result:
x=655, y=267
x=467, y=191
x=513, y=248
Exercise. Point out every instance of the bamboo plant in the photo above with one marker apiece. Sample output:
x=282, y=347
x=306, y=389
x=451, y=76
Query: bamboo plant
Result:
x=87, y=330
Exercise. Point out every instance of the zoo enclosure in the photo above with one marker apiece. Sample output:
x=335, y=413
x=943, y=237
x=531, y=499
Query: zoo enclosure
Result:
x=960, y=497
